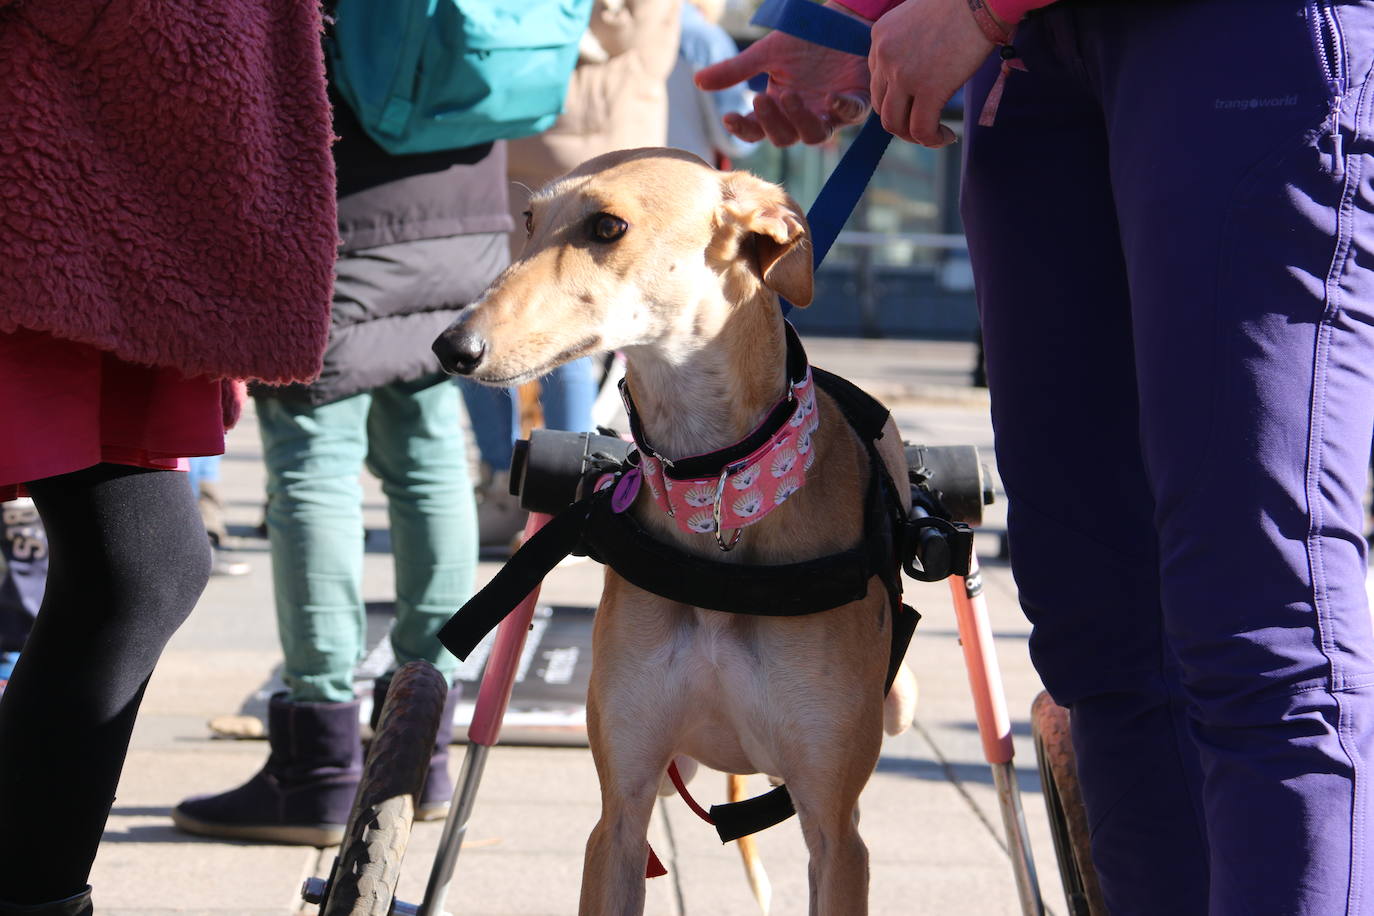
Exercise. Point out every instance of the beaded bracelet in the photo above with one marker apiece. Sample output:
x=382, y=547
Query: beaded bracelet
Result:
x=994, y=30
x=1001, y=36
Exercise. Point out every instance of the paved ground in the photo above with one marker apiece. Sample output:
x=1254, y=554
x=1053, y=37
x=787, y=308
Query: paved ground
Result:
x=930, y=814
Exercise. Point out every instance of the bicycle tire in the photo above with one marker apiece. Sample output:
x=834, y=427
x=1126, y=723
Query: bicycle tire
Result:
x=1064, y=805
x=368, y=865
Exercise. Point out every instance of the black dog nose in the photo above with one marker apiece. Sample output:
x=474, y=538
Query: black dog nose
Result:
x=460, y=351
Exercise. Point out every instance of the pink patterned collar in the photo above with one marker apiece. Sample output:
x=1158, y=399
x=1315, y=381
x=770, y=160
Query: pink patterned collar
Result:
x=734, y=487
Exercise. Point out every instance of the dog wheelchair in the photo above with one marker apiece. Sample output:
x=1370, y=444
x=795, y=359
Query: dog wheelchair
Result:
x=949, y=488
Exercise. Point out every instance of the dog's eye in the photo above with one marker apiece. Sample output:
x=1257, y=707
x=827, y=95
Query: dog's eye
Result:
x=529, y=223
x=607, y=228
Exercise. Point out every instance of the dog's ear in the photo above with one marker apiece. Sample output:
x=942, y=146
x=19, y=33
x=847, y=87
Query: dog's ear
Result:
x=782, y=239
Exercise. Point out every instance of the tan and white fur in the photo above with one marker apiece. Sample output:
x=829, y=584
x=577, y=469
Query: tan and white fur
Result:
x=688, y=292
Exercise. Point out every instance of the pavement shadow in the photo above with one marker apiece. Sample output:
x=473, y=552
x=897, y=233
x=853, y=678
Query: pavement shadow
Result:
x=1019, y=727
x=162, y=832
x=166, y=834
x=1027, y=777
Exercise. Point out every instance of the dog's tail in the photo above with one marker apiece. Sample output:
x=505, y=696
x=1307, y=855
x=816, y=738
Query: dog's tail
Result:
x=749, y=852
x=899, y=707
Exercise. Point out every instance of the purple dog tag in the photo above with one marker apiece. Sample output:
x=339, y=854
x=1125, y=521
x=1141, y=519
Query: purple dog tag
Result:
x=626, y=490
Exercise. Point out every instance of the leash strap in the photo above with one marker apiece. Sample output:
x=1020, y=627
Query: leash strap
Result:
x=842, y=190
x=817, y=24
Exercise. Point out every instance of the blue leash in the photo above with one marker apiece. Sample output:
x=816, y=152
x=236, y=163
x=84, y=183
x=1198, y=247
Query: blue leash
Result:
x=842, y=190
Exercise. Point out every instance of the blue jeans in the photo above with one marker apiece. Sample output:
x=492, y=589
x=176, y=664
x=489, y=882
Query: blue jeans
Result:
x=410, y=436
x=203, y=467
x=566, y=394
x=1169, y=237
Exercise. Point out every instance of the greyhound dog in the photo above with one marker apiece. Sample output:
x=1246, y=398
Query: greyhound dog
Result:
x=653, y=253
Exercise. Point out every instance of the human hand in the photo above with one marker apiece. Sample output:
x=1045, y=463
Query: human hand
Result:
x=812, y=90
x=921, y=53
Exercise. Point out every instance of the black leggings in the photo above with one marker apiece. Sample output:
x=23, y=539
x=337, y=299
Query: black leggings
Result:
x=129, y=558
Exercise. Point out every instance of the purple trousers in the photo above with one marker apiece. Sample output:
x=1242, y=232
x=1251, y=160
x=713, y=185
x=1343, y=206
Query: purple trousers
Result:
x=1172, y=231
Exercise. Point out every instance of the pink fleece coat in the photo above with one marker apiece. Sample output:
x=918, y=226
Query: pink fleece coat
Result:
x=166, y=184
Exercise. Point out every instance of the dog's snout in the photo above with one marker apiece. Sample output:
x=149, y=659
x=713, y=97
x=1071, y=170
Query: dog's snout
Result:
x=460, y=351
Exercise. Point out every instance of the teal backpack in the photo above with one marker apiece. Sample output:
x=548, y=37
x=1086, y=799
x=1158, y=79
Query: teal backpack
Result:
x=427, y=75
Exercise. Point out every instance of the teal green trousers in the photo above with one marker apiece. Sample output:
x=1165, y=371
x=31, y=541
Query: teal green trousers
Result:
x=410, y=436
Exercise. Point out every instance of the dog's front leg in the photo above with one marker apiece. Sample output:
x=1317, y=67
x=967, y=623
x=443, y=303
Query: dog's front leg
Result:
x=617, y=852
x=630, y=762
x=838, y=870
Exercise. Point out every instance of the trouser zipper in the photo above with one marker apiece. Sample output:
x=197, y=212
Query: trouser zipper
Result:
x=1330, y=41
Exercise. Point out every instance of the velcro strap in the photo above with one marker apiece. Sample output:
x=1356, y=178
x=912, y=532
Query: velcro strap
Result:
x=521, y=575
x=783, y=590
x=903, y=628
x=736, y=819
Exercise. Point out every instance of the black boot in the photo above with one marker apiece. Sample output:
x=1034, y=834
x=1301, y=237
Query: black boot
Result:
x=304, y=792
x=80, y=905
x=438, y=791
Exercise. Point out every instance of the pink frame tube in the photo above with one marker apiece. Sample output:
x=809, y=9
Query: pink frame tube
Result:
x=504, y=661
x=980, y=658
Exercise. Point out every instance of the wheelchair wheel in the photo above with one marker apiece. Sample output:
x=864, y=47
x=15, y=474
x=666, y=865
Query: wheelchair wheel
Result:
x=1064, y=804
x=368, y=866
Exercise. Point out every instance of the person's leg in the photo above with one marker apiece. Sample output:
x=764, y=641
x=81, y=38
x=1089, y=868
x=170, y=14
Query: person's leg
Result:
x=203, y=469
x=1244, y=212
x=1055, y=312
x=24, y=550
x=495, y=418
x=128, y=562
x=314, y=456
x=416, y=449
x=567, y=395
x=303, y=793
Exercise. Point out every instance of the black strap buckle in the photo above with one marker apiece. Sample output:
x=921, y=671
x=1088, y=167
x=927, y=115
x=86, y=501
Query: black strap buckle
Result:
x=934, y=548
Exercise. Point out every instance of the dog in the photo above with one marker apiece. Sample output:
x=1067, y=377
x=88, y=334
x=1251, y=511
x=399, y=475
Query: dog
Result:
x=679, y=266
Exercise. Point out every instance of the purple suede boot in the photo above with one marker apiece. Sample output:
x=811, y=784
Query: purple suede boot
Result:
x=303, y=794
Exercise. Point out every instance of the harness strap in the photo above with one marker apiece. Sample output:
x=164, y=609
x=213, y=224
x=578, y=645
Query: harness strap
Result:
x=792, y=589
x=736, y=819
x=782, y=590
x=535, y=559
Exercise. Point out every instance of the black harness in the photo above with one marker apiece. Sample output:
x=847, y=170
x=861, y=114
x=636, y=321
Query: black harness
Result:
x=592, y=526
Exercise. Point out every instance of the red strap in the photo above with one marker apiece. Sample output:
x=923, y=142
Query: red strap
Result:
x=654, y=868
x=681, y=787
x=994, y=99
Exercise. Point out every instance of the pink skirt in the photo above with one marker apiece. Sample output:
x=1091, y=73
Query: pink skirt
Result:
x=66, y=406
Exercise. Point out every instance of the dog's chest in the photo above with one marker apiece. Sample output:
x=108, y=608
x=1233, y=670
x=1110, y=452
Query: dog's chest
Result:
x=727, y=704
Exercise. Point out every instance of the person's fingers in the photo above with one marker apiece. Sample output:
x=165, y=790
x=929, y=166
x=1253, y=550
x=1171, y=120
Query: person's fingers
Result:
x=924, y=126
x=746, y=127
x=737, y=69
x=896, y=113
x=774, y=121
x=879, y=90
x=847, y=108
x=810, y=127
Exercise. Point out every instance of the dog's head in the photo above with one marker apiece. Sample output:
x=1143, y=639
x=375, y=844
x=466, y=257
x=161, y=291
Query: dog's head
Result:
x=637, y=248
